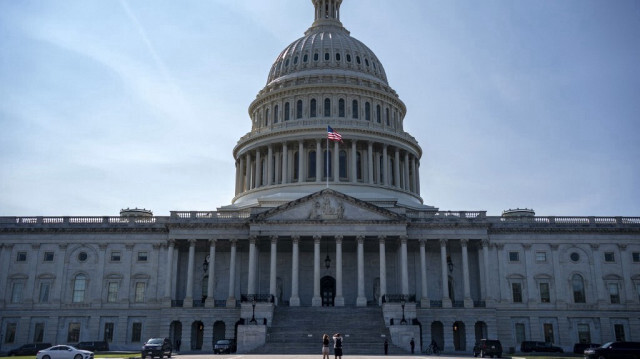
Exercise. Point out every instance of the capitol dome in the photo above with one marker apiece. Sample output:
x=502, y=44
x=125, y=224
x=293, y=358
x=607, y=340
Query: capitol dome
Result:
x=327, y=78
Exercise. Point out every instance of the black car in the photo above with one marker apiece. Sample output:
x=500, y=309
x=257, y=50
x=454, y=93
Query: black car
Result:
x=531, y=346
x=226, y=346
x=579, y=348
x=93, y=346
x=157, y=347
x=614, y=350
x=28, y=349
x=487, y=347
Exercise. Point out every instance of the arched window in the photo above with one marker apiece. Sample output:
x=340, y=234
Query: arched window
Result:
x=577, y=283
x=387, y=116
x=299, y=109
x=79, y=288
x=341, y=107
x=312, y=108
x=337, y=56
x=296, y=164
x=367, y=111
x=343, y=164
x=305, y=58
x=266, y=118
x=287, y=111
x=327, y=107
x=358, y=166
x=354, y=109
x=378, y=114
x=326, y=56
x=275, y=114
x=315, y=57
x=311, y=166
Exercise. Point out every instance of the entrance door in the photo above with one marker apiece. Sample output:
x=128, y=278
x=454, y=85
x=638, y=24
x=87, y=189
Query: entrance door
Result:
x=328, y=290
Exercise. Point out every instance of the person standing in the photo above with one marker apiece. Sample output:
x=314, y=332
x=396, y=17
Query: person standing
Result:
x=386, y=347
x=325, y=346
x=337, y=346
x=413, y=345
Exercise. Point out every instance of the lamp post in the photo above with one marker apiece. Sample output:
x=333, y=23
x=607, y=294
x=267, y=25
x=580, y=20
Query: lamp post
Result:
x=403, y=321
x=253, y=315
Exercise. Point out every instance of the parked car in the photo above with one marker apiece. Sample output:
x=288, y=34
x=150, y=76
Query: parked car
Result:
x=532, y=346
x=614, y=350
x=227, y=346
x=487, y=347
x=94, y=346
x=28, y=349
x=64, y=352
x=579, y=348
x=157, y=347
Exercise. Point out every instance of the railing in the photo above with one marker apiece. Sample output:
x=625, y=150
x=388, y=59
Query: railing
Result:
x=397, y=298
x=260, y=298
x=83, y=220
x=209, y=215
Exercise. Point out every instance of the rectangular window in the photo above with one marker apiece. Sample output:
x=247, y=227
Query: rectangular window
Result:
x=514, y=256
x=48, y=256
x=548, y=332
x=22, y=257
x=516, y=290
x=108, y=332
x=115, y=256
x=140, y=286
x=619, y=331
x=10, y=333
x=520, y=333
x=112, y=294
x=609, y=257
x=584, y=333
x=38, y=333
x=142, y=256
x=44, y=292
x=614, y=293
x=636, y=257
x=73, y=335
x=136, y=332
x=16, y=292
x=541, y=256
x=545, y=296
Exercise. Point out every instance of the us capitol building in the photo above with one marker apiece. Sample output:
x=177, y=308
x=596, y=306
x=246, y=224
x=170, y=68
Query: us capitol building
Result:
x=321, y=237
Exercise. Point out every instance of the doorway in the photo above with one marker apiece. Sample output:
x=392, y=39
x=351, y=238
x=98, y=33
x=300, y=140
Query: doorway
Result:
x=328, y=290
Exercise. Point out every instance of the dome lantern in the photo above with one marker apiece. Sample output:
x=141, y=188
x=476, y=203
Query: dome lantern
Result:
x=327, y=10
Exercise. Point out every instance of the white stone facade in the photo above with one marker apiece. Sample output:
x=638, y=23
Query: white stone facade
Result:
x=314, y=223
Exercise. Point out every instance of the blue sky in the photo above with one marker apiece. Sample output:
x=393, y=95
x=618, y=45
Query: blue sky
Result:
x=109, y=104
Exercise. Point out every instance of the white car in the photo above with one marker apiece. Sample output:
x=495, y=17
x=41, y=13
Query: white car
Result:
x=64, y=352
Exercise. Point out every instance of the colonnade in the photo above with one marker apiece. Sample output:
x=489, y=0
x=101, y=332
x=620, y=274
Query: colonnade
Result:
x=358, y=162
x=361, y=299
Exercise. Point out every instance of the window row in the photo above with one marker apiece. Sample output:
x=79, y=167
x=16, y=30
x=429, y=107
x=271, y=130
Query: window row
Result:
x=314, y=109
x=337, y=57
x=115, y=256
x=541, y=256
x=73, y=333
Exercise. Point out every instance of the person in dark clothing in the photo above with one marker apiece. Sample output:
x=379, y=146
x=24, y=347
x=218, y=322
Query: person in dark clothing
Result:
x=325, y=347
x=413, y=345
x=386, y=347
x=337, y=346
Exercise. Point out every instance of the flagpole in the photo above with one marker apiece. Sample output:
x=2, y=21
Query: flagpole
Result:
x=327, y=161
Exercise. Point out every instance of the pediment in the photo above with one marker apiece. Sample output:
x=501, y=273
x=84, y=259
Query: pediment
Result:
x=328, y=205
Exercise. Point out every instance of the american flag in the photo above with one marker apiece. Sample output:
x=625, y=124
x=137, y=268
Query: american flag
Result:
x=333, y=135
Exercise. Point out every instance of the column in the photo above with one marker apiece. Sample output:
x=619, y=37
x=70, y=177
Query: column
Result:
x=468, y=302
x=317, y=300
x=396, y=168
x=385, y=165
x=188, y=298
x=294, y=301
x=413, y=175
x=370, y=162
x=277, y=168
x=383, y=268
x=272, y=273
x=361, y=300
x=630, y=294
x=404, y=266
x=247, y=178
x=251, y=287
x=336, y=162
x=318, y=161
x=417, y=174
x=239, y=163
x=269, y=165
x=231, y=300
x=446, y=301
x=354, y=162
x=258, y=169
x=285, y=163
x=405, y=184
x=168, y=296
x=211, y=300
x=424, y=301
x=485, y=256
x=301, y=165
x=339, y=299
